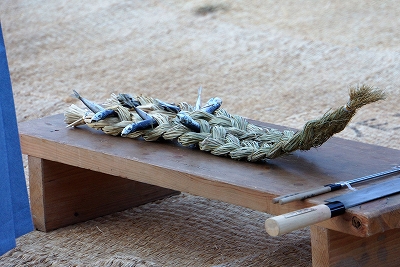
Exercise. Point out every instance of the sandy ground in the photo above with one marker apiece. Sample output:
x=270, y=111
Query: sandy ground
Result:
x=279, y=62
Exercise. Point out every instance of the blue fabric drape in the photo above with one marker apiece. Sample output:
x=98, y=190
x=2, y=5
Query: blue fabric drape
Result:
x=15, y=215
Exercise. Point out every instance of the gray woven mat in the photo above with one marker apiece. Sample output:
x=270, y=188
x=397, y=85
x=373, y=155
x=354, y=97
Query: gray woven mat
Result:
x=183, y=230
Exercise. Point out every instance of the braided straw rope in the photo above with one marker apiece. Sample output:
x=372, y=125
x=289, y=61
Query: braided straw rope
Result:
x=224, y=134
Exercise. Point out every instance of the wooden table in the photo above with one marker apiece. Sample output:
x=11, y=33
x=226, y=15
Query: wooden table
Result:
x=79, y=173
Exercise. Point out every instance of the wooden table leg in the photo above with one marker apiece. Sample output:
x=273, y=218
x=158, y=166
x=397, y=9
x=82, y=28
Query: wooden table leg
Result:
x=61, y=195
x=332, y=248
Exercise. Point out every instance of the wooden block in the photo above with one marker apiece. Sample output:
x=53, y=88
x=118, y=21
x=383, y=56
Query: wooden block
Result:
x=335, y=249
x=252, y=185
x=79, y=174
x=62, y=195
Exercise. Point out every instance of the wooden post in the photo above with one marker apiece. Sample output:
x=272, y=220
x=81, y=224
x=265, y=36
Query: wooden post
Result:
x=62, y=194
x=79, y=174
x=335, y=249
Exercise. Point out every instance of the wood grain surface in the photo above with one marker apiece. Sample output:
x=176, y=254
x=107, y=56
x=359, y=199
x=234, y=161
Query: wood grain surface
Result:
x=253, y=185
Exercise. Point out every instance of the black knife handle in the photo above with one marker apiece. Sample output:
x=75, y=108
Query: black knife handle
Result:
x=334, y=187
x=337, y=208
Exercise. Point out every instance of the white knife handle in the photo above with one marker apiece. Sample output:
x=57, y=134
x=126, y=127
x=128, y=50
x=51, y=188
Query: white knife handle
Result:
x=291, y=221
x=304, y=195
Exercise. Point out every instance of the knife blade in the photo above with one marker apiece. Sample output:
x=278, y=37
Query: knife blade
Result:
x=335, y=206
x=331, y=187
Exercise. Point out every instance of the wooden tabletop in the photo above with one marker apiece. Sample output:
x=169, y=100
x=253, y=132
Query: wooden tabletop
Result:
x=253, y=185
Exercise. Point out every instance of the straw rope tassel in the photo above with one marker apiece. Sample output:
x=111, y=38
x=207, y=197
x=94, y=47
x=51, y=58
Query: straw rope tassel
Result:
x=317, y=132
x=224, y=134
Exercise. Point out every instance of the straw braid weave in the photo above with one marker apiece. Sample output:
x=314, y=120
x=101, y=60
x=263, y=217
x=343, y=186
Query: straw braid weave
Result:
x=225, y=134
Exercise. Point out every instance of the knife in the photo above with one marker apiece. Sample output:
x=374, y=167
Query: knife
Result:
x=335, y=206
x=331, y=187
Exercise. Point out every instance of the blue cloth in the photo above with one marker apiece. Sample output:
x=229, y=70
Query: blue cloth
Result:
x=15, y=214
